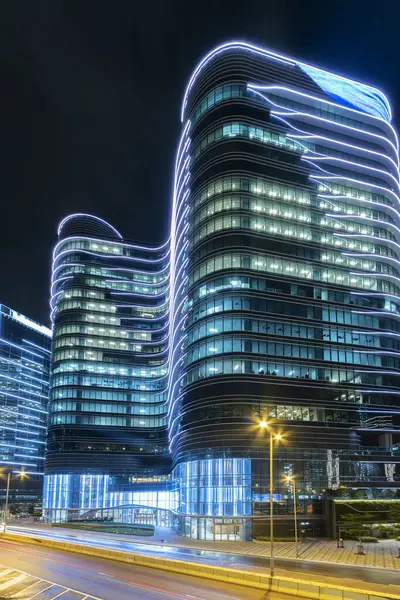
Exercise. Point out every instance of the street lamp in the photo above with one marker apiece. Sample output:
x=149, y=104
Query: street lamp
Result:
x=272, y=437
x=291, y=479
x=21, y=475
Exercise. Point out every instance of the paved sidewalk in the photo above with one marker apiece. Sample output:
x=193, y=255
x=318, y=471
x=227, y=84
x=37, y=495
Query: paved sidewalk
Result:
x=382, y=554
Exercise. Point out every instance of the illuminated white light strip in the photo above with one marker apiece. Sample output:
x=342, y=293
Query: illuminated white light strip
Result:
x=295, y=137
x=22, y=348
x=364, y=236
x=86, y=216
x=37, y=346
x=23, y=382
x=36, y=371
x=267, y=53
x=354, y=164
x=355, y=181
x=371, y=204
x=105, y=255
x=109, y=243
x=295, y=92
x=384, y=313
x=292, y=113
x=384, y=224
x=183, y=144
x=377, y=257
x=378, y=391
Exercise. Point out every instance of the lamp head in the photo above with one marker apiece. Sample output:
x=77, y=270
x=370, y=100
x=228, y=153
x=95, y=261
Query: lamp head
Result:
x=263, y=424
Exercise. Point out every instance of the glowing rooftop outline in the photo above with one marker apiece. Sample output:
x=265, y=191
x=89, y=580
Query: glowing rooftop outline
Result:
x=371, y=97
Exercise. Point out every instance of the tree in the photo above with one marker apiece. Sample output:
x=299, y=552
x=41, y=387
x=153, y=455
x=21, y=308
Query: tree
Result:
x=357, y=522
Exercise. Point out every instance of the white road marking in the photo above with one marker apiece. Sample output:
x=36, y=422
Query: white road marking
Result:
x=12, y=581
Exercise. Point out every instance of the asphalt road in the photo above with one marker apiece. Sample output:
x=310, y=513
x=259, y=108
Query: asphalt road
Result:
x=110, y=580
x=347, y=574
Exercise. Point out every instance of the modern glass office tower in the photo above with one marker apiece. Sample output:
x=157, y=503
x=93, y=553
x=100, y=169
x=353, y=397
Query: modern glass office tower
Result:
x=277, y=298
x=285, y=291
x=107, y=415
x=24, y=393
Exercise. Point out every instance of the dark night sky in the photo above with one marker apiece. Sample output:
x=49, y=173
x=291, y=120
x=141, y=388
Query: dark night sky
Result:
x=90, y=97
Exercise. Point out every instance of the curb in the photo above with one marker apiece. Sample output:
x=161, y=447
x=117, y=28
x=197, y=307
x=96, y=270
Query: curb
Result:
x=284, y=585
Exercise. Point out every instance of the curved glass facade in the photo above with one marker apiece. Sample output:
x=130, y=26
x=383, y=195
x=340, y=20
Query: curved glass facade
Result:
x=276, y=298
x=107, y=410
x=286, y=289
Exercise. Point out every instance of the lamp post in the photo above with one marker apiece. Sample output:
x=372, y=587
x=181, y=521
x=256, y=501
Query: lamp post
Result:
x=291, y=479
x=272, y=437
x=21, y=475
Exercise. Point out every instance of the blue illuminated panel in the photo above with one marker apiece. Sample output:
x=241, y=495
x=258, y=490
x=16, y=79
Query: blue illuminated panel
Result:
x=215, y=487
x=350, y=93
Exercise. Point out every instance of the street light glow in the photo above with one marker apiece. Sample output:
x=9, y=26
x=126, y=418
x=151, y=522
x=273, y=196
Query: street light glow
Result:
x=278, y=436
x=263, y=424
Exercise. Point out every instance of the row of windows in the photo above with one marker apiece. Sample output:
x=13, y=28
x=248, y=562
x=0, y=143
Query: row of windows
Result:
x=100, y=319
x=329, y=314
x=115, y=273
x=274, y=208
x=263, y=187
x=112, y=248
x=283, y=211
x=74, y=292
x=103, y=307
x=119, y=286
x=98, y=407
x=326, y=112
x=257, y=134
x=290, y=350
x=102, y=367
x=104, y=343
x=98, y=394
x=288, y=413
x=148, y=312
x=215, y=325
x=257, y=186
x=354, y=209
x=113, y=381
x=237, y=366
x=123, y=274
x=285, y=208
x=359, y=158
x=288, y=230
x=223, y=92
x=289, y=268
x=266, y=136
x=350, y=191
x=103, y=331
x=119, y=283
x=107, y=421
x=354, y=227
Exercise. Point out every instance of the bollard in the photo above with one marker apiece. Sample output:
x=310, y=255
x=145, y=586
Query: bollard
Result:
x=398, y=552
x=360, y=548
x=340, y=543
